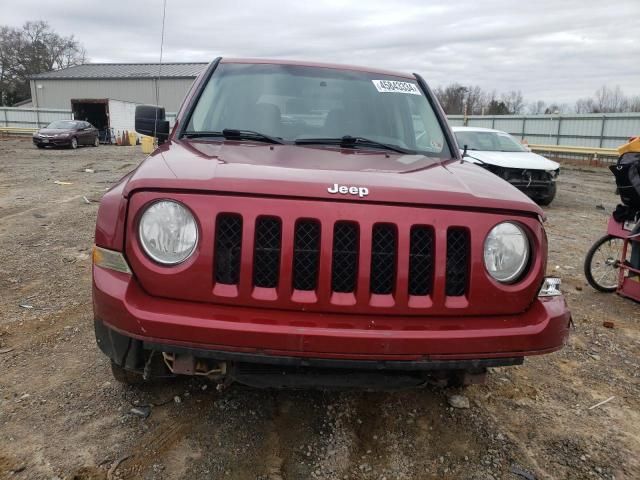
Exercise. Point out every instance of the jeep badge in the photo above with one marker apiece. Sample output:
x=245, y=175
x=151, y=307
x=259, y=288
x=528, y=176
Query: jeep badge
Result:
x=346, y=190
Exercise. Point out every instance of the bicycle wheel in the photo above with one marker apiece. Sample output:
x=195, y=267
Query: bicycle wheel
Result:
x=601, y=265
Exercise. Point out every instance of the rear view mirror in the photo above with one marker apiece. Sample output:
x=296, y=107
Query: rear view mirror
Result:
x=151, y=121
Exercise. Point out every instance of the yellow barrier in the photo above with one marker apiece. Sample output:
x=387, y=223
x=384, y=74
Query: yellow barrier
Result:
x=592, y=151
x=631, y=146
x=17, y=131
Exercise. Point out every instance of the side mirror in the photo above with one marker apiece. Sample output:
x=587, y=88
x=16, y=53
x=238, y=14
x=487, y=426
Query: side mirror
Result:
x=151, y=121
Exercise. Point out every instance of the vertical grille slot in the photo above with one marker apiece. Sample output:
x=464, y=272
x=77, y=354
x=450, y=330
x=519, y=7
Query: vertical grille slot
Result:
x=457, y=262
x=266, y=255
x=306, y=255
x=421, y=260
x=228, y=246
x=344, y=264
x=383, y=258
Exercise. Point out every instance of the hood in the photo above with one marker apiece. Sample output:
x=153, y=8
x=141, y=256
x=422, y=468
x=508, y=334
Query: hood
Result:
x=524, y=160
x=247, y=168
x=53, y=131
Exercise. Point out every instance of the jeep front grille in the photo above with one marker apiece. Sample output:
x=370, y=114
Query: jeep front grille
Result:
x=306, y=255
x=384, y=257
x=266, y=257
x=227, y=248
x=344, y=261
x=421, y=260
x=457, y=261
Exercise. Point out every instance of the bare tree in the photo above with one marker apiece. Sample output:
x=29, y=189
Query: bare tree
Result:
x=455, y=96
x=476, y=100
x=9, y=58
x=557, y=108
x=452, y=98
x=497, y=107
x=35, y=48
x=536, y=108
x=634, y=103
x=610, y=100
x=584, y=105
x=514, y=101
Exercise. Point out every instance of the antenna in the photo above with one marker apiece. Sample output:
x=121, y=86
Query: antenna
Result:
x=164, y=15
x=464, y=153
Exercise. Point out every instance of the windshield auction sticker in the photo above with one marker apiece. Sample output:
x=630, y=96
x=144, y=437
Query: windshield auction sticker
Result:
x=394, y=86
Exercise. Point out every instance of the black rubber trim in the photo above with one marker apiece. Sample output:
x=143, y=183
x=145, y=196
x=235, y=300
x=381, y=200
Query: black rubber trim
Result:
x=195, y=98
x=442, y=118
x=403, y=365
x=128, y=352
x=125, y=351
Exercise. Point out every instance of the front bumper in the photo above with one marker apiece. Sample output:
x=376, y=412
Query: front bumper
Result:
x=121, y=306
x=51, y=141
x=533, y=185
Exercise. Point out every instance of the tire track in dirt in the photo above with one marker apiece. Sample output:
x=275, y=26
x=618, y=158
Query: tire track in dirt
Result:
x=154, y=446
x=10, y=215
x=295, y=421
x=274, y=461
x=334, y=451
x=364, y=438
x=379, y=432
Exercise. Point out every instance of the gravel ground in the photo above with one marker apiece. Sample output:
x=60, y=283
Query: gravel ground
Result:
x=62, y=416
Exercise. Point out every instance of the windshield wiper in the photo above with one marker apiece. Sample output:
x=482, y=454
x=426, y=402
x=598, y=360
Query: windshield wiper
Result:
x=349, y=141
x=235, y=134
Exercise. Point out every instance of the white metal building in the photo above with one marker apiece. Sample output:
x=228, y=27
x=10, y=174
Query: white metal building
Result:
x=105, y=94
x=130, y=82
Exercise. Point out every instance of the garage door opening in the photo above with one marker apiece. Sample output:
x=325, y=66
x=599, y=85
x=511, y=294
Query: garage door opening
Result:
x=96, y=112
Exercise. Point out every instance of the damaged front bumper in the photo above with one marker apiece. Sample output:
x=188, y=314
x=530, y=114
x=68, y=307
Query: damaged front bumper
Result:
x=530, y=181
x=260, y=347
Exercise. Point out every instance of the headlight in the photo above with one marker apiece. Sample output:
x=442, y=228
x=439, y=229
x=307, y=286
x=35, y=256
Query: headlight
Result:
x=168, y=232
x=506, y=252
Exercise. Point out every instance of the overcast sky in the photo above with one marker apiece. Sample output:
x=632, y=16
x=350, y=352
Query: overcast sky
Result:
x=551, y=50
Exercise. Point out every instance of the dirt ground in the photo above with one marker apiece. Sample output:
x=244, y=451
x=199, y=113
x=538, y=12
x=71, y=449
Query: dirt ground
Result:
x=62, y=416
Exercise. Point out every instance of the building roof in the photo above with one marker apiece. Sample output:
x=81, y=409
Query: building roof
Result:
x=124, y=71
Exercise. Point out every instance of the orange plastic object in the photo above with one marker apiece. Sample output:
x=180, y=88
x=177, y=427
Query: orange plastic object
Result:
x=632, y=146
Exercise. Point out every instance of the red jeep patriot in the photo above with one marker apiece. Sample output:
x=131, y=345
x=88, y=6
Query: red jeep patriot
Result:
x=315, y=225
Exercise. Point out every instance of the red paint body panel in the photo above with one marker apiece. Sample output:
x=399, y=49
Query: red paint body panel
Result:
x=485, y=296
x=182, y=305
x=305, y=172
x=123, y=305
x=112, y=213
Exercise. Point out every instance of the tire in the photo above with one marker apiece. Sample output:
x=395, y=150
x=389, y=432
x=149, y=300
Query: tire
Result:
x=74, y=143
x=96, y=142
x=40, y=146
x=600, y=257
x=125, y=377
x=549, y=196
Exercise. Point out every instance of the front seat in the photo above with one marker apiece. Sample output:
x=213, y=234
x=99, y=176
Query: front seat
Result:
x=335, y=124
x=264, y=118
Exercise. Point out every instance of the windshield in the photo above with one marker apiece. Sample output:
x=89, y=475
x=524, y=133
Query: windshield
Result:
x=294, y=103
x=63, y=124
x=488, y=141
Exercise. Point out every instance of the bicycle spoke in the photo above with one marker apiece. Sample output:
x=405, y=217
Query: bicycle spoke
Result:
x=606, y=275
x=604, y=269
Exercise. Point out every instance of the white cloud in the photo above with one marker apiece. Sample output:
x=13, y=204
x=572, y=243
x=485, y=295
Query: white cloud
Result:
x=556, y=51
